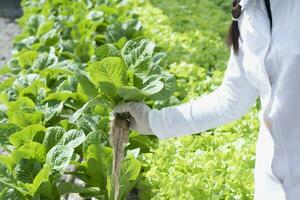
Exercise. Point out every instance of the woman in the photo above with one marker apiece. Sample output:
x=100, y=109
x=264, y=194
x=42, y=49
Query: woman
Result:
x=264, y=62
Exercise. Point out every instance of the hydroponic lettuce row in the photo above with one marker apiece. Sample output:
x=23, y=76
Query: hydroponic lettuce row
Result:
x=211, y=165
x=73, y=62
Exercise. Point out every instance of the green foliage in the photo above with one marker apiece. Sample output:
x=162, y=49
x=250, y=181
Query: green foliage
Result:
x=133, y=76
x=10, y=194
x=27, y=58
x=26, y=170
x=206, y=166
x=216, y=164
x=75, y=60
x=26, y=135
x=192, y=31
x=108, y=74
x=70, y=68
x=7, y=129
x=32, y=150
x=23, y=112
x=58, y=159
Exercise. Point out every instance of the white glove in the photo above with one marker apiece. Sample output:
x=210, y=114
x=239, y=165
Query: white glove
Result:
x=139, y=116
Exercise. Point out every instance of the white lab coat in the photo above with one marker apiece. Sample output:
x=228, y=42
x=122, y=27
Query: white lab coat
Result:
x=246, y=78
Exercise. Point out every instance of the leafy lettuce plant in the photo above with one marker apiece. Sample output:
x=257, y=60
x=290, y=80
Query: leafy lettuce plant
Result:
x=131, y=74
x=72, y=63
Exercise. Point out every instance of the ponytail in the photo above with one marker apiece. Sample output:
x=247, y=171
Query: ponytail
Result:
x=234, y=33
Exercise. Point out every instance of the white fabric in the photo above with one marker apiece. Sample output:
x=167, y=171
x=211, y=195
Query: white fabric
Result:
x=268, y=67
x=139, y=116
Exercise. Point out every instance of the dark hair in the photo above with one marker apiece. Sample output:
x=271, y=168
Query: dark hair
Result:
x=234, y=33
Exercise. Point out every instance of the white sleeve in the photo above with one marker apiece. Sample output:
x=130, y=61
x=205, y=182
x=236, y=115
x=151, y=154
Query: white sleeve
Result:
x=229, y=102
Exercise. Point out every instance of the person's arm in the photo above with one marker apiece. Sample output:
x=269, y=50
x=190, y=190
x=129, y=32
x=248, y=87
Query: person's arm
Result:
x=229, y=102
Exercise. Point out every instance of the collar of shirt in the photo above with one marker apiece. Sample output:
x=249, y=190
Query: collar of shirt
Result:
x=246, y=3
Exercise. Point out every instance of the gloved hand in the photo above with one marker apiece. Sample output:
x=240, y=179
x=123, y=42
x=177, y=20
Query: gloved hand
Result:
x=139, y=116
